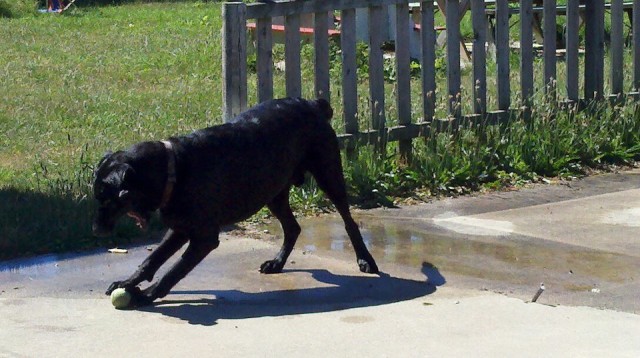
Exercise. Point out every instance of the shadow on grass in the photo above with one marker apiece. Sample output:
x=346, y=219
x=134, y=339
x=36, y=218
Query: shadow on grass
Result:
x=34, y=223
x=346, y=292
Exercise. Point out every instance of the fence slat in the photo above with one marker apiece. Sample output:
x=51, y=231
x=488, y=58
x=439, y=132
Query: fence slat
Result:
x=549, y=44
x=428, y=59
x=403, y=75
x=349, y=70
x=636, y=44
x=293, y=77
x=264, y=59
x=376, y=67
x=321, y=54
x=594, y=49
x=526, y=49
x=234, y=61
x=617, y=46
x=453, y=57
x=573, y=69
x=502, y=54
x=479, y=57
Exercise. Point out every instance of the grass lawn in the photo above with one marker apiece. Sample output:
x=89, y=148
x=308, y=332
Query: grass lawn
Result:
x=77, y=85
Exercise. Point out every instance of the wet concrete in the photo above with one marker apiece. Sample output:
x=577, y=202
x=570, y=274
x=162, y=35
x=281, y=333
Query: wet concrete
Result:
x=586, y=253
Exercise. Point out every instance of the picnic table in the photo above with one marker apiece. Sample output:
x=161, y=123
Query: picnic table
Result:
x=490, y=12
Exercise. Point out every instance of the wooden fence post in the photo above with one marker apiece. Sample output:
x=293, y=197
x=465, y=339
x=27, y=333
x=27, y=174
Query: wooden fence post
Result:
x=636, y=44
x=479, y=57
x=264, y=59
x=234, y=60
x=594, y=50
x=349, y=71
x=293, y=77
x=453, y=57
x=549, y=32
x=502, y=54
x=526, y=50
x=321, y=54
x=403, y=82
x=376, y=73
x=428, y=59
x=617, y=48
x=573, y=69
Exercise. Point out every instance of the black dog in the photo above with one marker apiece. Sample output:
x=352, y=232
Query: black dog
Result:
x=219, y=176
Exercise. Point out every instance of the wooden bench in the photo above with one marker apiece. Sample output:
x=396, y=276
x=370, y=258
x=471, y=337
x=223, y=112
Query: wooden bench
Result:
x=306, y=33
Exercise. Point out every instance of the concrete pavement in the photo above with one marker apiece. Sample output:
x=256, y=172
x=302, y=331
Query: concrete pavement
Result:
x=458, y=275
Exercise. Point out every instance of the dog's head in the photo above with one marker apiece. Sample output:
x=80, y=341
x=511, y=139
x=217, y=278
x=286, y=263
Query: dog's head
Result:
x=118, y=192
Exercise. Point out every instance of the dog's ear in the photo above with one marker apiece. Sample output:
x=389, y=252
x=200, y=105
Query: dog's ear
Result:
x=325, y=108
x=106, y=156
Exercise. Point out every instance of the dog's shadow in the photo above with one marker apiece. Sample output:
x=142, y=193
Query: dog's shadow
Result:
x=343, y=293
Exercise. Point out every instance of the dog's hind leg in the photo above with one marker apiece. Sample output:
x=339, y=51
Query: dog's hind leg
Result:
x=281, y=209
x=327, y=170
x=170, y=244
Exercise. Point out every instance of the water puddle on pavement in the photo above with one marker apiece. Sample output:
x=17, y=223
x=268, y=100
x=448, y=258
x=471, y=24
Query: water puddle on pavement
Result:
x=489, y=257
x=41, y=266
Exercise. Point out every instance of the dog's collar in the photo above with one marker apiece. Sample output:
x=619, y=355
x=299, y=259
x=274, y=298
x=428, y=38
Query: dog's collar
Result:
x=171, y=174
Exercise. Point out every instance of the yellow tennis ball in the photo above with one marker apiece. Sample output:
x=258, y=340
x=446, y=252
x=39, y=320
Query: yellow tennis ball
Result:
x=120, y=298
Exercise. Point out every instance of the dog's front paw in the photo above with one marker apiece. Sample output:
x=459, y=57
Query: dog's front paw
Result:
x=113, y=286
x=272, y=266
x=368, y=266
x=139, y=298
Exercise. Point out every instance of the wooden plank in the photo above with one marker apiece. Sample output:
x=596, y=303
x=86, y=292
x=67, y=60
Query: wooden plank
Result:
x=502, y=54
x=264, y=59
x=376, y=68
x=403, y=62
x=594, y=49
x=636, y=44
x=549, y=45
x=234, y=61
x=349, y=70
x=479, y=57
x=293, y=77
x=453, y=57
x=428, y=59
x=289, y=7
x=403, y=75
x=573, y=65
x=617, y=47
x=526, y=49
x=321, y=54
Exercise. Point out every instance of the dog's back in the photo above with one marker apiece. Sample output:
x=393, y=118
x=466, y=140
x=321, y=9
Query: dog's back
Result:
x=256, y=155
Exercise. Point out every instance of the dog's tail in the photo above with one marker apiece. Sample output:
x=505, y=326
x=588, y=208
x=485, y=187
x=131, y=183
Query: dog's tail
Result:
x=325, y=108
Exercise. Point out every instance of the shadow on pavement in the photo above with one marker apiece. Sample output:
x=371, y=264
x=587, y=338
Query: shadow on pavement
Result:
x=344, y=292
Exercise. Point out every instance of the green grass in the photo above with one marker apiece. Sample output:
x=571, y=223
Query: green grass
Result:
x=91, y=80
x=101, y=78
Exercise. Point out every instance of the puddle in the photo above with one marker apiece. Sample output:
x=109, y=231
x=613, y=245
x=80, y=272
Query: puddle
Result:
x=42, y=266
x=491, y=254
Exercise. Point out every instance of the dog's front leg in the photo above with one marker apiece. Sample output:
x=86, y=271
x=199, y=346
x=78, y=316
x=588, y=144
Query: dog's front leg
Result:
x=170, y=244
x=198, y=249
